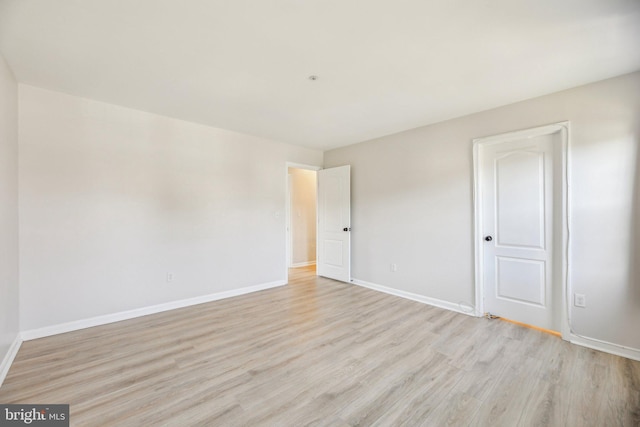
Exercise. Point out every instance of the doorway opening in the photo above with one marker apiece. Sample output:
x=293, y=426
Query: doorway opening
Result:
x=301, y=217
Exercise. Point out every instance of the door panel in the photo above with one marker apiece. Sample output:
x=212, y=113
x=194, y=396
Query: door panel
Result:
x=334, y=253
x=334, y=216
x=517, y=185
x=521, y=280
x=520, y=199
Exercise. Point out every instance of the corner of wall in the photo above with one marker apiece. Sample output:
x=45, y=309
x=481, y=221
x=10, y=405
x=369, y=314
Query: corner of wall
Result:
x=11, y=354
x=9, y=245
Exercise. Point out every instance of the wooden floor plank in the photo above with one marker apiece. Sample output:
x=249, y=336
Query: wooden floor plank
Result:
x=322, y=353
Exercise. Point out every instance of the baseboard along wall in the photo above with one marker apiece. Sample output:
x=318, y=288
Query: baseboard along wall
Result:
x=606, y=347
x=303, y=264
x=630, y=353
x=75, y=325
x=9, y=357
x=415, y=297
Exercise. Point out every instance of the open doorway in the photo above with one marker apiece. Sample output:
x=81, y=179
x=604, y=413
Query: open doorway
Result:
x=301, y=217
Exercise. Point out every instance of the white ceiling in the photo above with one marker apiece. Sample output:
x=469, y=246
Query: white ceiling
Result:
x=384, y=65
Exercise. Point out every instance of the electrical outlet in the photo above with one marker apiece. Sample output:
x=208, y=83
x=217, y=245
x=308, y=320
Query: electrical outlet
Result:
x=579, y=300
x=169, y=277
x=394, y=267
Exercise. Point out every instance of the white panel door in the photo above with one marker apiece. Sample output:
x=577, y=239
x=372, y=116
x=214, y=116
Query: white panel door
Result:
x=517, y=208
x=334, y=223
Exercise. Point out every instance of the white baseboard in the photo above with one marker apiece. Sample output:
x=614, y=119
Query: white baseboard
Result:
x=8, y=358
x=303, y=264
x=61, y=328
x=607, y=347
x=414, y=297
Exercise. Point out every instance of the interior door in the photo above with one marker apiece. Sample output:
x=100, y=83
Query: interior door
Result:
x=334, y=223
x=517, y=206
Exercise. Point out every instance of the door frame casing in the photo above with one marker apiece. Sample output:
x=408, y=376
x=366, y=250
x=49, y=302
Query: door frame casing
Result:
x=564, y=129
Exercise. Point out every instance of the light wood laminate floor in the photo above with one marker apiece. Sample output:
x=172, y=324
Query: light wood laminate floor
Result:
x=320, y=352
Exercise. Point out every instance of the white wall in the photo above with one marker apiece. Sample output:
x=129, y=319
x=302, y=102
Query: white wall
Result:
x=412, y=203
x=112, y=199
x=9, y=320
x=303, y=215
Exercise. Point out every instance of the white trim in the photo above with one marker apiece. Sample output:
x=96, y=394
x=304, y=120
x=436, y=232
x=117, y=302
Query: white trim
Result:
x=522, y=134
x=303, y=264
x=564, y=126
x=413, y=297
x=288, y=220
x=607, y=347
x=565, y=317
x=303, y=166
x=477, y=234
x=62, y=328
x=595, y=344
x=8, y=358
